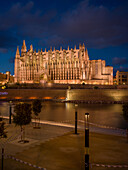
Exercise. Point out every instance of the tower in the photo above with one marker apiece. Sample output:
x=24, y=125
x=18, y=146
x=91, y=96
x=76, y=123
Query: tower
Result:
x=24, y=48
x=17, y=66
x=31, y=48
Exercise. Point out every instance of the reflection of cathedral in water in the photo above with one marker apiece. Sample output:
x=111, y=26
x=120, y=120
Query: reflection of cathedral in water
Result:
x=60, y=66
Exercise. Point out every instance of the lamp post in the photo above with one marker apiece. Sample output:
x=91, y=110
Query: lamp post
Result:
x=86, y=141
x=76, y=105
x=10, y=111
x=127, y=134
x=2, y=159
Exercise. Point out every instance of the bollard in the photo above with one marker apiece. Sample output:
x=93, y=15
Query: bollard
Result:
x=86, y=141
x=10, y=112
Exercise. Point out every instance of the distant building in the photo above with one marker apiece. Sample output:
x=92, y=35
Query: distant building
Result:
x=6, y=78
x=60, y=66
x=114, y=80
x=122, y=78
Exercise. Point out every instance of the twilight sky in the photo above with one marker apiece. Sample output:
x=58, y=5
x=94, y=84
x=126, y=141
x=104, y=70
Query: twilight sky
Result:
x=101, y=24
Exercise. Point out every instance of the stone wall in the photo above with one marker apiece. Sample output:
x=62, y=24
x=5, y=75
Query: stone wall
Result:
x=10, y=94
x=106, y=95
x=98, y=94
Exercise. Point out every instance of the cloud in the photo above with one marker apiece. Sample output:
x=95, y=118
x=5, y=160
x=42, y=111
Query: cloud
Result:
x=96, y=25
x=120, y=69
x=7, y=40
x=3, y=50
x=119, y=61
x=26, y=21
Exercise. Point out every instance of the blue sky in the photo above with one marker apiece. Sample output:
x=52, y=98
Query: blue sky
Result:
x=101, y=24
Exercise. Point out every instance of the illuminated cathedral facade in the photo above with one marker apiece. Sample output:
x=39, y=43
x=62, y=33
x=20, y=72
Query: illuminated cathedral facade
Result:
x=71, y=66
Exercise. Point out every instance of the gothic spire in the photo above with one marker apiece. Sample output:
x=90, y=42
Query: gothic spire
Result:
x=31, y=48
x=79, y=46
x=86, y=51
x=17, y=51
x=24, y=49
x=24, y=43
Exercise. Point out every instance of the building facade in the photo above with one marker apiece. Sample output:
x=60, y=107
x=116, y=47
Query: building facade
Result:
x=71, y=66
x=122, y=78
x=6, y=78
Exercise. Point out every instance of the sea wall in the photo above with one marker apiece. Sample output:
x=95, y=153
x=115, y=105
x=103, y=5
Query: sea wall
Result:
x=105, y=95
x=29, y=94
x=73, y=95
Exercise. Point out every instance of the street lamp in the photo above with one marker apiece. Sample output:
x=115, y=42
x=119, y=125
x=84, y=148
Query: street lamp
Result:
x=86, y=141
x=76, y=105
x=10, y=111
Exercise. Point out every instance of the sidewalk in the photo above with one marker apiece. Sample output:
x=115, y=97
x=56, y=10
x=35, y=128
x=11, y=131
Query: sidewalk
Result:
x=35, y=136
x=66, y=152
x=56, y=147
x=93, y=128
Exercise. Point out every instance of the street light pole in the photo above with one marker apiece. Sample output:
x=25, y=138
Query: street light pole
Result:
x=10, y=111
x=127, y=134
x=2, y=159
x=86, y=141
x=76, y=105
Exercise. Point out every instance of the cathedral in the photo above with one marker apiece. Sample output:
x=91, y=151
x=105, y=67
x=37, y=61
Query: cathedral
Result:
x=71, y=66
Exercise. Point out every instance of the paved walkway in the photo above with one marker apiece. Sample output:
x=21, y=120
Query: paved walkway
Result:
x=51, y=130
x=35, y=136
x=93, y=128
x=107, y=130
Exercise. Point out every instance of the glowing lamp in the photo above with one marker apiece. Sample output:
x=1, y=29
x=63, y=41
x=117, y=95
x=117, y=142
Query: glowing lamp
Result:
x=87, y=120
x=76, y=105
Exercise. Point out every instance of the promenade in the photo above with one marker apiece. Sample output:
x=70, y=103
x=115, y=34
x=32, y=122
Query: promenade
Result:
x=55, y=146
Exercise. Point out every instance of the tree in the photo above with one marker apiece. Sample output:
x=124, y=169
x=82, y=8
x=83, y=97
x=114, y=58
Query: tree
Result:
x=36, y=107
x=22, y=116
x=3, y=134
x=125, y=110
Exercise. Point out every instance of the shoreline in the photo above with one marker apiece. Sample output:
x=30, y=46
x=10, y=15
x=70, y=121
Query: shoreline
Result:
x=67, y=101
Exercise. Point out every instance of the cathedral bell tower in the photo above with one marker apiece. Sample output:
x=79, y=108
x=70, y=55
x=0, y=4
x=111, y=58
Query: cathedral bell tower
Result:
x=17, y=66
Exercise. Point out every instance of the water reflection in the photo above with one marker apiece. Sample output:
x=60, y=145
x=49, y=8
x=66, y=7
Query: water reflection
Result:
x=110, y=115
